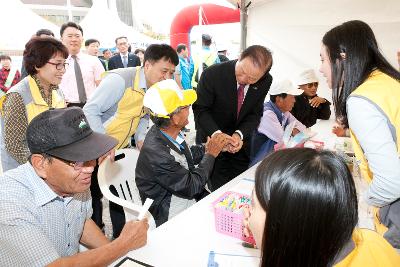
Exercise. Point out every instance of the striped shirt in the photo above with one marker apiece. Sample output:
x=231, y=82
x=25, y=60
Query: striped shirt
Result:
x=36, y=225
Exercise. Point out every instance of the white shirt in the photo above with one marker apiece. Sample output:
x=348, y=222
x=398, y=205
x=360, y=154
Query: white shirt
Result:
x=122, y=58
x=91, y=69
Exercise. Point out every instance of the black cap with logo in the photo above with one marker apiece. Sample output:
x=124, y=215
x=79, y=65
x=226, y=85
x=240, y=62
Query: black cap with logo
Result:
x=65, y=133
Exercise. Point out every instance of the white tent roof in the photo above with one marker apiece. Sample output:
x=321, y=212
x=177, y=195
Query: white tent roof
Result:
x=19, y=24
x=293, y=30
x=105, y=25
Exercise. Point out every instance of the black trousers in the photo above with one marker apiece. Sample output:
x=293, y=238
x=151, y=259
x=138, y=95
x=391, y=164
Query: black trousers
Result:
x=226, y=167
x=96, y=199
x=117, y=215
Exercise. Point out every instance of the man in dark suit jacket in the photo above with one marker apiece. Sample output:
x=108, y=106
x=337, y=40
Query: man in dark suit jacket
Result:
x=230, y=99
x=123, y=59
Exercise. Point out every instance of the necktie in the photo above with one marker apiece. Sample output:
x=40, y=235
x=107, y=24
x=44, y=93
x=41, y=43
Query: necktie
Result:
x=79, y=81
x=240, y=98
x=125, y=62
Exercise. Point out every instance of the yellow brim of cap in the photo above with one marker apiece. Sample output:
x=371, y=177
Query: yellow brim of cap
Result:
x=189, y=97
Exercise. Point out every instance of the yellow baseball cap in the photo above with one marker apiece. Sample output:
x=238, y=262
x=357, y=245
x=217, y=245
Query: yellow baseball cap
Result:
x=165, y=97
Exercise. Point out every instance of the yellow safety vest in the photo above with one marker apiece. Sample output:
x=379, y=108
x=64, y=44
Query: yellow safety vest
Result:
x=208, y=57
x=371, y=250
x=384, y=92
x=129, y=111
x=38, y=105
x=34, y=105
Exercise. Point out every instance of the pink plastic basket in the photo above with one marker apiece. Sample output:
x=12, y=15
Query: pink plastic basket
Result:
x=229, y=223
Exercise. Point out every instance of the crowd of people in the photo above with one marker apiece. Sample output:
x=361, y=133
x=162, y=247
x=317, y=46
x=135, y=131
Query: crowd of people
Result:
x=74, y=109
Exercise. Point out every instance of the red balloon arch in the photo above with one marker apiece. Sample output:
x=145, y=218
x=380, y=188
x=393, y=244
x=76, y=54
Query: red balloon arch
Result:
x=189, y=17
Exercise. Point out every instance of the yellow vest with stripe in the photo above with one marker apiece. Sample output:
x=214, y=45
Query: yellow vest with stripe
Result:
x=38, y=105
x=129, y=110
x=371, y=250
x=34, y=105
x=384, y=92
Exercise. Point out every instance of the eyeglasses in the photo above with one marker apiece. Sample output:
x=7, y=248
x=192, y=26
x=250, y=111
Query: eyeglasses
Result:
x=310, y=85
x=59, y=66
x=77, y=165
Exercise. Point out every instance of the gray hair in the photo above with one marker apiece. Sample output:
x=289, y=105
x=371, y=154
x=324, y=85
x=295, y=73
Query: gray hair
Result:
x=164, y=122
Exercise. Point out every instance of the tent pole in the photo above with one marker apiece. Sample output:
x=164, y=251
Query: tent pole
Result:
x=243, y=24
x=200, y=70
x=69, y=10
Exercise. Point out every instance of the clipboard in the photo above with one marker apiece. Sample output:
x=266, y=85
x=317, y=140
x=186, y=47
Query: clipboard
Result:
x=129, y=262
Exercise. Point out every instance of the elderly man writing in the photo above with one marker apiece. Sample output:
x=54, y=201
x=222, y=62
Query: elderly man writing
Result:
x=276, y=117
x=45, y=204
x=166, y=170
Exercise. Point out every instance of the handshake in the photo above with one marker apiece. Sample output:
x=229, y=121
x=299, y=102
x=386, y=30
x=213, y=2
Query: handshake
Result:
x=223, y=142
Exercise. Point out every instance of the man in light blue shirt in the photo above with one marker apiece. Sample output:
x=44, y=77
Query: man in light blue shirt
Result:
x=186, y=66
x=45, y=204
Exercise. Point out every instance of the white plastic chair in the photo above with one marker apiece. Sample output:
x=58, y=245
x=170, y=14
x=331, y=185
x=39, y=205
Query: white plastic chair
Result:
x=121, y=174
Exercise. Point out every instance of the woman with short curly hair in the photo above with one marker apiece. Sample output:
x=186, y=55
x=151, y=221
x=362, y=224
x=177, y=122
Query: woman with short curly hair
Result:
x=44, y=61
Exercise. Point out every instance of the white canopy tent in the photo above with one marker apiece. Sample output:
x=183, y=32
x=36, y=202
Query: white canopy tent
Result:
x=19, y=24
x=293, y=30
x=104, y=25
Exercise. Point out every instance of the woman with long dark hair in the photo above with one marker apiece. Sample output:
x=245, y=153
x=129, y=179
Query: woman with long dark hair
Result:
x=304, y=213
x=366, y=96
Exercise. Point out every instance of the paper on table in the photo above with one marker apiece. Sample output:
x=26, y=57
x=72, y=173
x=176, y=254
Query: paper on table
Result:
x=129, y=262
x=231, y=260
x=245, y=186
x=288, y=133
x=300, y=138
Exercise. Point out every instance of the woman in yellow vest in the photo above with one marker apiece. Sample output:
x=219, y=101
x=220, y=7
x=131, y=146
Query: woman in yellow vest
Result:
x=44, y=60
x=366, y=96
x=304, y=213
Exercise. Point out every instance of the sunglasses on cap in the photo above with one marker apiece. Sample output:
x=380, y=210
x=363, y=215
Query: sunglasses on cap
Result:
x=310, y=85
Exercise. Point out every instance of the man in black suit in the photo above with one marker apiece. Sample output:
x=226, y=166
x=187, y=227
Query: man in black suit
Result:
x=123, y=59
x=230, y=99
